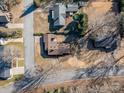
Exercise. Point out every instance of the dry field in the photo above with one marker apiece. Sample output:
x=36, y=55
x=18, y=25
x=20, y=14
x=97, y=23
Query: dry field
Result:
x=17, y=12
x=41, y=22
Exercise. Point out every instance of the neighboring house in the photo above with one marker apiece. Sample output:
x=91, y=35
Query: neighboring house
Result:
x=54, y=46
x=5, y=70
x=4, y=18
x=60, y=12
x=8, y=70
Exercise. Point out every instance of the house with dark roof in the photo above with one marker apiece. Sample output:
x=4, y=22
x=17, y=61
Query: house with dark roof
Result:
x=5, y=70
x=54, y=45
x=4, y=18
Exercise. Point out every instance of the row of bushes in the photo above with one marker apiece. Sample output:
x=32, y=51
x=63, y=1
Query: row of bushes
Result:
x=10, y=33
x=38, y=34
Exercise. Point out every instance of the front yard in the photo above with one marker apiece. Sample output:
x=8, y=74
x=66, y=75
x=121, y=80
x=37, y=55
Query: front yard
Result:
x=11, y=80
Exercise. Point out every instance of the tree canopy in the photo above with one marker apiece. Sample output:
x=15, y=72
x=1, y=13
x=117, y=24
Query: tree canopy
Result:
x=38, y=2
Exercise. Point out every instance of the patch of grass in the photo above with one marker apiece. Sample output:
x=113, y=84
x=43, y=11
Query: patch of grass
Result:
x=21, y=63
x=19, y=45
x=14, y=79
x=38, y=34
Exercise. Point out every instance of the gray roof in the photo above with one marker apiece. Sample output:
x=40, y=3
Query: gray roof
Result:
x=72, y=8
x=3, y=19
x=55, y=47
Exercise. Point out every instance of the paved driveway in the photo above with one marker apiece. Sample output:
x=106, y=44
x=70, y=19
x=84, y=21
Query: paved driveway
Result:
x=8, y=89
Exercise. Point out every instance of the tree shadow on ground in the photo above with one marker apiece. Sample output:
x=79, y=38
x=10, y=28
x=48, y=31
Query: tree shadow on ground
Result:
x=29, y=10
x=73, y=34
x=92, y=45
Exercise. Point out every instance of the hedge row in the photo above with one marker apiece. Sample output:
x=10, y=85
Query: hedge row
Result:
x=11, y=33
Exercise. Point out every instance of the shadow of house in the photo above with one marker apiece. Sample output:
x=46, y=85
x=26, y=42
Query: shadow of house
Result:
x=29, y=10
x=43, y=53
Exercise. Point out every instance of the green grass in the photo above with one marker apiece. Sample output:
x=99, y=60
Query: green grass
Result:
x=14, y=79
x=38, y=34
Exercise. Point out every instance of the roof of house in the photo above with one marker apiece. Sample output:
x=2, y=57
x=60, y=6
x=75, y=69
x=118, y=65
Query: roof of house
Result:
x=62, y=49
x=72, y=8
x=54, y=44
x=4, y=17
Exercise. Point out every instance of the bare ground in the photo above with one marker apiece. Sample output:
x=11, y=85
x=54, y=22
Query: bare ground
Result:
x=17, y=12
x=41, y=22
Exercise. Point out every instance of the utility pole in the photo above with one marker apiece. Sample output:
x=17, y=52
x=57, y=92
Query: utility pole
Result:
x=28, y=40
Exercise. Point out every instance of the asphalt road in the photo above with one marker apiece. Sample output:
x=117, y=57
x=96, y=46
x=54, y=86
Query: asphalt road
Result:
x=28, y=36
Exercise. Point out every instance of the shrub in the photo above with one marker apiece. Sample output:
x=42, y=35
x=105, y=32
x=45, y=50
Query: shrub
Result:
x=83, y=22
x=121, y=5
